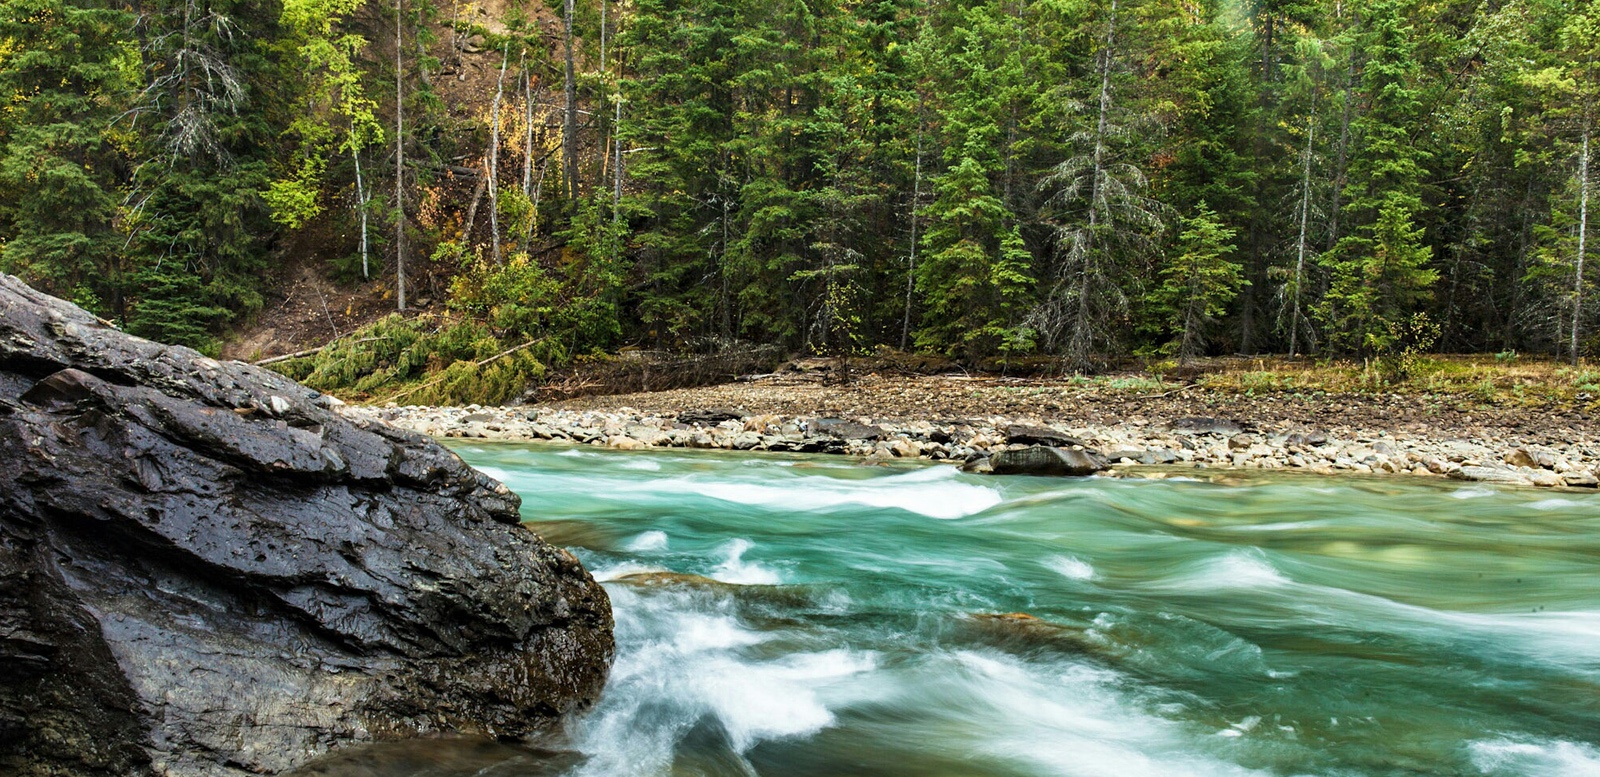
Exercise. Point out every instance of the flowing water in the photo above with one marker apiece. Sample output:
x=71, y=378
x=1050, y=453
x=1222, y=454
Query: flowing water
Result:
x=812, y=616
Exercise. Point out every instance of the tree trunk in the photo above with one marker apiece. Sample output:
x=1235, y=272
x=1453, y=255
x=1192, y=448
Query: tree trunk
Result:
x=1082, y=340
x=494, y=156
x=1300, y=247
x=569, y=124
x=1583, y=234
x=616, y=191
x=1341, y=156
x=1509, y=337
x=472, y=210
x=361, y=209
x=911, y=263
x=399, y=163
x=527, y=119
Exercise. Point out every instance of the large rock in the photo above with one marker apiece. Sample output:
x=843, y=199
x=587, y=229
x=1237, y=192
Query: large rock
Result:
x=844, y=429
x=1022, y=434
x=206, y=570
x=1044, y=460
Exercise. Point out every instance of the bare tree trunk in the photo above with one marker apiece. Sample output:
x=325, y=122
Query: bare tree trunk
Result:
x=494, y=155
x=472, y=210
x=361, y=209
x=616, y=191
x=1082, y=341
x=911, y=263
x=1583, y=234
x=1191, y=320
x=1509, y=337
x=1341, y=157
x=602, y=36
x=569, y=125
x=399, y=163
x=727, y=304
x=1305, y=223
x=538, y=187
x=455, y=38
x=527, y=118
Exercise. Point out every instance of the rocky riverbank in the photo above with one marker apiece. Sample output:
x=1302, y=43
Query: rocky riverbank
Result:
x=1196, y=441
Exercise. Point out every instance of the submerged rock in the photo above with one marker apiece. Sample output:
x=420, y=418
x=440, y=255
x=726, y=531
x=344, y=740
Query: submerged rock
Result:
x=205, y=570
x=1044, y=460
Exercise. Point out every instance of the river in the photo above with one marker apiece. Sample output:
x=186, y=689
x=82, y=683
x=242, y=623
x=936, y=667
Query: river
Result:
x=789, y=616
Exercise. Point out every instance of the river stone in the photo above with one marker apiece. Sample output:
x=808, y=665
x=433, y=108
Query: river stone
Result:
x=1045, y=460
x=1022, y=434
x=1498, y=475
x=204, y=571
x=1580, y=478
x=843, y=429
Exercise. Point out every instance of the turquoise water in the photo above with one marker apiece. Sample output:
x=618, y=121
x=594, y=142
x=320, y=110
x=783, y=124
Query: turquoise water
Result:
x=811, y=616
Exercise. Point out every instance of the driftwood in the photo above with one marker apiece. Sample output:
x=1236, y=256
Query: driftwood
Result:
x=311, y=351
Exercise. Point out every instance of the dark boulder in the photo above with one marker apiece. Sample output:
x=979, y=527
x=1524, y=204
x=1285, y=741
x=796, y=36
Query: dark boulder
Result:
x=843, y=429
x=1021, y=434
x=1045, y=460
x=205, y=569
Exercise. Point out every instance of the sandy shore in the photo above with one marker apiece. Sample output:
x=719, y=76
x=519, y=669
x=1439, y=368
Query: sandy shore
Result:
x=968, y=421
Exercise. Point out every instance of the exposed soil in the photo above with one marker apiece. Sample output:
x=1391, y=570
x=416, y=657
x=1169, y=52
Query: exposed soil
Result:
x=305, y=309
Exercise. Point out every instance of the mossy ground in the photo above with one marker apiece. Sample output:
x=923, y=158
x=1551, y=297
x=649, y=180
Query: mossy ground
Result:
x=426, y=359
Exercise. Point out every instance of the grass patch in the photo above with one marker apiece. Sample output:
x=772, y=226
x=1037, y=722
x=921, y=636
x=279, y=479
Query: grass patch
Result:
x=1486, y=378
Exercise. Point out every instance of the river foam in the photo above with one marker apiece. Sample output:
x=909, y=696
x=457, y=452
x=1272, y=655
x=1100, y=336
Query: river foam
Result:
x=685, y=667
x=1536, y=758
x=935, y=492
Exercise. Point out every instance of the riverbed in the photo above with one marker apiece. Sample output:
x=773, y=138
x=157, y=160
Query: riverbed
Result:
x=801, y=615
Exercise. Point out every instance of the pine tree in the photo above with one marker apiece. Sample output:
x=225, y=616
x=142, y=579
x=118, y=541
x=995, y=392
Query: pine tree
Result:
x=64, y=73
x=1379, y=273
x=1198, y=282
x=974, y=273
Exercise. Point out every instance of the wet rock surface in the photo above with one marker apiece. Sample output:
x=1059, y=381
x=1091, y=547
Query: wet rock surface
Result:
x=206, y=569
x=1044, y=460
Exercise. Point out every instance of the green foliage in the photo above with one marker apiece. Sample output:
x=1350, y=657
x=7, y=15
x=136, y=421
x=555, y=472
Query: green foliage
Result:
x=1001, y=178
x=173, y=307
x=974, y=278
x=64, y=79
x=422, y=360
x=1198, y=283
x=1375, y=282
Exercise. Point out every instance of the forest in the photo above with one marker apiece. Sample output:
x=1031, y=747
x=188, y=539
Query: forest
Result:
x=1081, y=180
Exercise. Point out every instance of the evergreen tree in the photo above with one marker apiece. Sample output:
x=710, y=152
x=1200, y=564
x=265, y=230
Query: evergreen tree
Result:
x=65, y=72
x=1379, y=268
x=1198, y=283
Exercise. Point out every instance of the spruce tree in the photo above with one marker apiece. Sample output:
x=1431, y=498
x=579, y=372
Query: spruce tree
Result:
x=64, y=75
x=1198, y=282
x=1379, y=273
